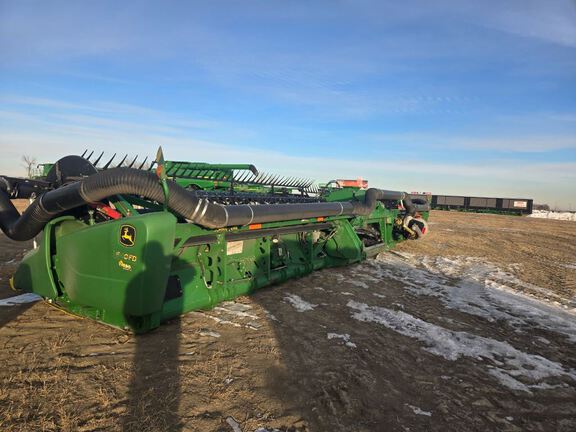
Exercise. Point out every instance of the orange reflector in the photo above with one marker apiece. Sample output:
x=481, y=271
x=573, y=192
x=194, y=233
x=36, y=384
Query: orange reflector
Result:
x=254, y=226
x=320, y=219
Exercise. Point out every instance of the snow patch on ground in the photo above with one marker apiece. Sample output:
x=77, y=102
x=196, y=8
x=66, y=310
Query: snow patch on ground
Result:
x=97, y=354
x=419, y=411
x=234, y=314
x=233, y=424
x=513, y=368
x=20, y=299
x=543, y=214
x=358, y=283
x=298, y=303
x=345, y=337
x=221, y=320
x=478, y=288
x=210, y=334
x=238, y=309
x=271, y=316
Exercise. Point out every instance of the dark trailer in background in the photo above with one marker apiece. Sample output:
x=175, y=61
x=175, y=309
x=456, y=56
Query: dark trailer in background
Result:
x=519, y=206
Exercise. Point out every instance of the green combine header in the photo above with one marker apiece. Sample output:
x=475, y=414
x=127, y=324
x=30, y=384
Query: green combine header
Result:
x=133, y=246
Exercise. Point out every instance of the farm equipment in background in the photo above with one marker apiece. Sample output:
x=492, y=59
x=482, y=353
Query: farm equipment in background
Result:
x=135, y=246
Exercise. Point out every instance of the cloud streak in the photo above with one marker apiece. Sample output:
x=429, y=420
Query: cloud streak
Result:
x=496, y=143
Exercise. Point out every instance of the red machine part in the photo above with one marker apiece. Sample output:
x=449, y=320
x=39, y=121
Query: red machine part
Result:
x=107, y=211
x=363, y=184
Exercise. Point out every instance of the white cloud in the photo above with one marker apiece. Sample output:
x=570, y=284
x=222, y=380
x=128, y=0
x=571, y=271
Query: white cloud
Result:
x=551, y=20
x=498, y=143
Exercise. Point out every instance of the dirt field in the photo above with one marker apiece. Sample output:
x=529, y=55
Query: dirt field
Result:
x=442, y=334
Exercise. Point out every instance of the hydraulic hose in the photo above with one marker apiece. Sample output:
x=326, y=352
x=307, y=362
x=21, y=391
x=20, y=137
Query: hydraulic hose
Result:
x=119, y=181
x=373, y=195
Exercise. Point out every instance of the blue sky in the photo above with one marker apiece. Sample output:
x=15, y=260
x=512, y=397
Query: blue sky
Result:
x=453, y=97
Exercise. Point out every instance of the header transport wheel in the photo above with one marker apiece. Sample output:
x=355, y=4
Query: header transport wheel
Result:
x=415, y=227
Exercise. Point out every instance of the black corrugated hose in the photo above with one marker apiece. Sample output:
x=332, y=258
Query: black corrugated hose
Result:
x=119, y=181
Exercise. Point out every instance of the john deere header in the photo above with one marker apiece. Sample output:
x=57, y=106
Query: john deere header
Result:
x=133, y=246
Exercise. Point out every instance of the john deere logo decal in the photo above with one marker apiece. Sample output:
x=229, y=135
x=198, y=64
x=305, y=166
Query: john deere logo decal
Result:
x=127, y=235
